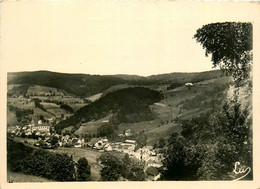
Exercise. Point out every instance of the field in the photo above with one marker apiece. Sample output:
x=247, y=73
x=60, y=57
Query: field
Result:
x=45, y=94
x=137, y=127
x=11, y=118
x=91, y=127
x=20, y=177
x=94, y=97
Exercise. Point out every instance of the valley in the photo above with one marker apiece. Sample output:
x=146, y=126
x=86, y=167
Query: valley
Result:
x=121, y=108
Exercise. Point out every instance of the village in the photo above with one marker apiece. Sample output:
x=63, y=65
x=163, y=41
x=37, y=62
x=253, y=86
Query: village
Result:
x=42, y=135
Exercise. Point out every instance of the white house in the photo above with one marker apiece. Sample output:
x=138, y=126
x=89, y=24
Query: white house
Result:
x=108, y=147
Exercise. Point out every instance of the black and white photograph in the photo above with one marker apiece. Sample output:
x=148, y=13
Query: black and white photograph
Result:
x=129, y=92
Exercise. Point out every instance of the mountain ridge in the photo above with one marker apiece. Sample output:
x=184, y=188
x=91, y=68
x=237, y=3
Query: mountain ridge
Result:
x=85, y=85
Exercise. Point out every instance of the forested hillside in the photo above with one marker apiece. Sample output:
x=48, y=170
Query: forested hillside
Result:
x=127, y=105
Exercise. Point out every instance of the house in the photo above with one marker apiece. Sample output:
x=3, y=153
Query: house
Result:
x=24, y=128
x=38, y=133
x=99, y=145
x=114, y=147
x=189, y=85
x=79, y=143
x=128, y=146
x=108, y=147
x=130, y=141
x=41, y=128
x=153, y=171
x=92, y=142
x=28, y=133
x=128, y=132
x=153, y=163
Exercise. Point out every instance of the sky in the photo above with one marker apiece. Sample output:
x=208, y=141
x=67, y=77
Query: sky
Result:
x=123, y=37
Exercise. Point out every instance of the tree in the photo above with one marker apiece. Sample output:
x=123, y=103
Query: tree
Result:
x=34, y=135
x=112, y=167
x=106, y=129
x=141, y=141
x=230, y=44
x=23, y=135
x=83, y=170
x=54, y=140
x=161, y=142
x=180, y=162
x=136, y=170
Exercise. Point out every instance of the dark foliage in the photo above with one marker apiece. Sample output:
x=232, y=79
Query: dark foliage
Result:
x=180, y=163
x=230, y=44
x=38, y=104
x=21, y=114
x=106, y=130
x=114, y=168
x=18, y=90
x=49, y=165
x=67, y=108
x=77, y=84
x=16, y=153
x=209, y=146
x=141, y=141
x=83, y=170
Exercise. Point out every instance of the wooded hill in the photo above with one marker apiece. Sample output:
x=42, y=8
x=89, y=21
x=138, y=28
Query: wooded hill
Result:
x=126, y=105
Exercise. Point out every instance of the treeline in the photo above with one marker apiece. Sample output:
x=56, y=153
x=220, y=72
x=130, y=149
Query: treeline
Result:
x=38, y=104
x=129, y=105
x=37, y=162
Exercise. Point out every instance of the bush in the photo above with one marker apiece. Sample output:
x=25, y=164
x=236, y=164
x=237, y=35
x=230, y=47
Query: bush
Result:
x=49, y=165
x=83, y=170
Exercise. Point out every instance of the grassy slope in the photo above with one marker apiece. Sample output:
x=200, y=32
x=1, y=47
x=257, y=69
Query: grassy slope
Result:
x=20, y=177
x=175, y=99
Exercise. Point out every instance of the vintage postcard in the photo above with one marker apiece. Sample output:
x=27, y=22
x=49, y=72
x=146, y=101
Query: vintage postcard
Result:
x=143, y=94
